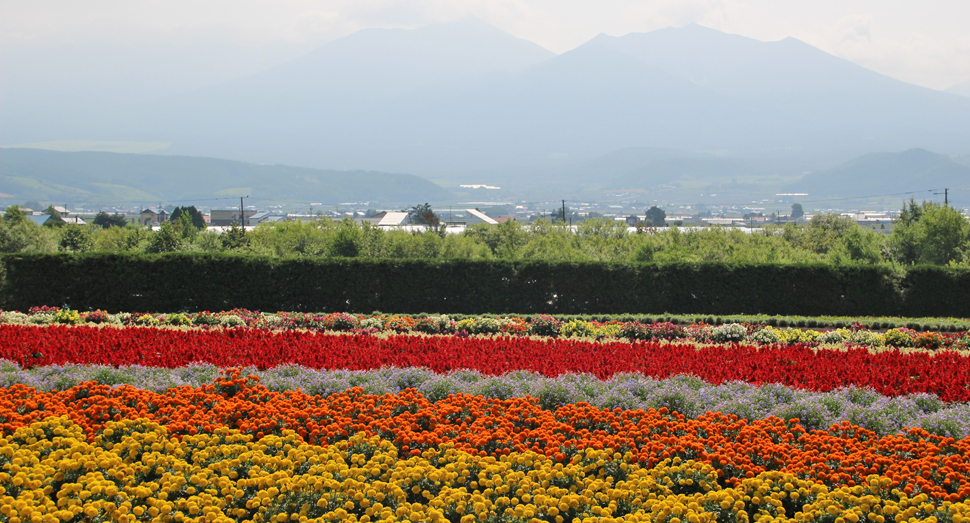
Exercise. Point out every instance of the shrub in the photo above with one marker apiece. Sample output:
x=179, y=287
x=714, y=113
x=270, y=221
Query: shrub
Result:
x=231, y=320
x=667, y=331
x=901, y=337
x=67, y=316
x=205, y=318
x=732, y=332
x=428, y=325
x=146, y=320
x=928, y=340
x=766, y=335
x=577, y=329
x=98, y=316
x=400, y=324
x=835, y=336
x=339, y=321
x=634, y=330
x=177, y=319
x=544, y=325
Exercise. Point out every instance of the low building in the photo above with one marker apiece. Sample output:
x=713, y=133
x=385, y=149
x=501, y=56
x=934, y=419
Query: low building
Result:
x=266, y=217
x=152, y=215
x=474, y=217
x=45, y=219
x=221, y=218
x=388, y=219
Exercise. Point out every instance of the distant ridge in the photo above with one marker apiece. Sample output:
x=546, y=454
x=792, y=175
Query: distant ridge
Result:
x=885, y=173
x=446, y=100
x=99, y=177
x=962, y=89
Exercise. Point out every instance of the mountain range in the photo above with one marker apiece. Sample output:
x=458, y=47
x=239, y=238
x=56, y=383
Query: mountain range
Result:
x=646, y=174
x=962, y=89
x=916, y=171
x=127, y=179
x=466, y=102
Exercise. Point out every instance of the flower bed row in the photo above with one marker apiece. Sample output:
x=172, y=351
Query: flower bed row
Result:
x=891, y=373
x=914, y=463
x=686, y=395
x=541, y=325
x=135, y=471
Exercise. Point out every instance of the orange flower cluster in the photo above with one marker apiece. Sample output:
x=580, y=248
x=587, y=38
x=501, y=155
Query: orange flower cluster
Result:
x=916, y=462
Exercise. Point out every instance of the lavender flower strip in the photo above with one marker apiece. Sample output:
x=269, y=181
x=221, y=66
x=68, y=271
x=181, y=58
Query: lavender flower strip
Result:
x=687, y=395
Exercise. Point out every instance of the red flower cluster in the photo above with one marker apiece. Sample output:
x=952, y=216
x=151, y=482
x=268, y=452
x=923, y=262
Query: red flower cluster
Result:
x=891, y=373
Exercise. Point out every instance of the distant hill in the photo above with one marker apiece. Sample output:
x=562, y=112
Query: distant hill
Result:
x=962, y=89
x=451, y=99
x=99, y=177
x=888, y=173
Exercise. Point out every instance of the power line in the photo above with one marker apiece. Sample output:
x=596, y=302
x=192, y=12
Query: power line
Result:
x=870, y=196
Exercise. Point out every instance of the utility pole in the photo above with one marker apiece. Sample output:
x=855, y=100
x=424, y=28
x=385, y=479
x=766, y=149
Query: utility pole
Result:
x=242, y=214
x=564, y=212
x=946, y=197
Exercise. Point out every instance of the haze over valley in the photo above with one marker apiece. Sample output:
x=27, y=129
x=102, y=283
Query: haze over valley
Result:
x=687, y=114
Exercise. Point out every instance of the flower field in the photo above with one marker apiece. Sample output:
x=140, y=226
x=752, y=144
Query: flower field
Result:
x=891, y=373
x=491, y=420
x=539, y=325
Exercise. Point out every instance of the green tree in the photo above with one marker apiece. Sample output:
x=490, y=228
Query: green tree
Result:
x=105, y=220
x=797, y=211
x=657, y=216
x=929, y=233
x=23, y=235
x=423, y=215
x=183, y=224
x=76, y=238
x=168, y=238
x=120, y=239
x=195, y=217
x=346, y=240
x=504, y=240
x=15, y=214
x=235, y=238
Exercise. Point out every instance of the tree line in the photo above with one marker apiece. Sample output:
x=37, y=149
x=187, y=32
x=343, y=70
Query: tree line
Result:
x=924, y=233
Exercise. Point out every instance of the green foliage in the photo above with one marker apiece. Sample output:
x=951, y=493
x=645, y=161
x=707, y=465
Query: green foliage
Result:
x=423, y=215
x=105, y=220
x=503, y=240
x=929, y=233
x=120, y=239
x=656, y=217
x=195, y=218
x=194, y=281
x=14, y=215
x=235, y=238
x=76, y=238
x=346, y=240
x=26, y=236
x=925, y=234
x=168, y=238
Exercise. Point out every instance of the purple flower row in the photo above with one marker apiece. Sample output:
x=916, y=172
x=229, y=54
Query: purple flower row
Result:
x=685, y=394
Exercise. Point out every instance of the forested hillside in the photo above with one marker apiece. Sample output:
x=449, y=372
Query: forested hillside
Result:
x=100, y=177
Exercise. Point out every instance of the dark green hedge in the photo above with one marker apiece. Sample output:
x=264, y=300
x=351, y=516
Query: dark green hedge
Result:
x=194, y=282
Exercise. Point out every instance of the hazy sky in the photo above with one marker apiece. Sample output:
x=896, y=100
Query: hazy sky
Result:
x=925, y=42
